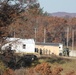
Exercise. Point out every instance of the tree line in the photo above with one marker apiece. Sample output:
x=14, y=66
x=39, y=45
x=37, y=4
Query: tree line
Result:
x=24, y=24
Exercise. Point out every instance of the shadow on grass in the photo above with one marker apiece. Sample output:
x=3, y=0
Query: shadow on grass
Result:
x=58, y=60
x=54, y=59
x=18, y=62
x=28, y=62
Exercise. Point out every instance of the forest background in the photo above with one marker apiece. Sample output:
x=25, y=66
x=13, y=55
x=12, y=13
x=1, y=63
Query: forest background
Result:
x=24, y=24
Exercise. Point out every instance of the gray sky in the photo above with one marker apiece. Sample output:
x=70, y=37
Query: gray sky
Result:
x=58, y=5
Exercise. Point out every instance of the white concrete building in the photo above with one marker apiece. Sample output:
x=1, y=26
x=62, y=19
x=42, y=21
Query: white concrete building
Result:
x=20, y=45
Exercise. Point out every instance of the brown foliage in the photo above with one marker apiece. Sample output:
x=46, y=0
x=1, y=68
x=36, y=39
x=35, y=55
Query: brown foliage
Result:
x=8, y=14
x=24, y=24
x=45, y=69
x=56, y=71
x=9, y=72
x=71, y=73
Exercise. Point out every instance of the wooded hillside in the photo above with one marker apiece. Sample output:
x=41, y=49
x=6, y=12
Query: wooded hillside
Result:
x=24, y=25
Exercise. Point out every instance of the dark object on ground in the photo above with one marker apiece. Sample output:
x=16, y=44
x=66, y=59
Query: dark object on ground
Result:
x=66, y=52
x=15, y=61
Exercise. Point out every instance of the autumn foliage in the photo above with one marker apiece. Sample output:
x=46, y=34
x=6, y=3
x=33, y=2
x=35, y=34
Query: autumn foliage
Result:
x=45, y=69
x=23, y=25
x=41, y=69
x=9, y=72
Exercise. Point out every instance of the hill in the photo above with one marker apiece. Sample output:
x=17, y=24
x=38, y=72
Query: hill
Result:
x=63, y=14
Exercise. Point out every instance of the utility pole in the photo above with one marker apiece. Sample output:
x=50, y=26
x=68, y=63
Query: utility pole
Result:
x=35, y=33
x=14, y=34
x=36, y=28
x=67, y=36
x=72, y=39
x=44, y=35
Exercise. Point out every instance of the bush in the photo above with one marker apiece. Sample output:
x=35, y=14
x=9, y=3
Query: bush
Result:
x=2, y=67
x=45, y=69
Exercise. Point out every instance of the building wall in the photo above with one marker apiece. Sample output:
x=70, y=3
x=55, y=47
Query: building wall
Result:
x=72, y=53
x=48, y=49
x=17, y=45
x=30, y=48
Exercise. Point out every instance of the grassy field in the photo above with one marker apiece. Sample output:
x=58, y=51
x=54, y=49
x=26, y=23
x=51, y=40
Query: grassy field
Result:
x=68, y=65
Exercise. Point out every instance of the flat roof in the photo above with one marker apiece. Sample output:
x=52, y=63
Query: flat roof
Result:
x=51, y=44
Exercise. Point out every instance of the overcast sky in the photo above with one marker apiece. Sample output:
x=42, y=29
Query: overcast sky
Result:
x=58, y=5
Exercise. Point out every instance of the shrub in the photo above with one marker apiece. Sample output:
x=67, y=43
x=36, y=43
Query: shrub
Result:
x=2, y=67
